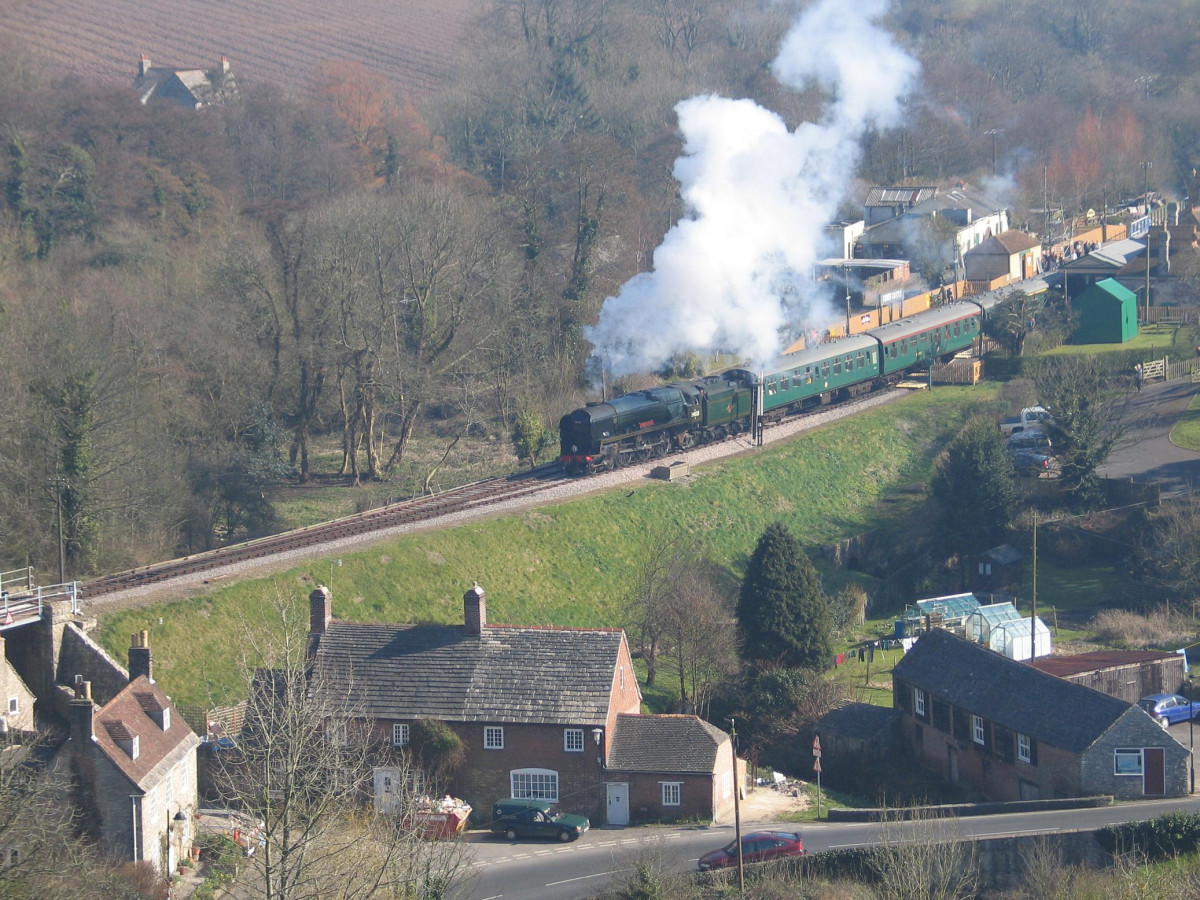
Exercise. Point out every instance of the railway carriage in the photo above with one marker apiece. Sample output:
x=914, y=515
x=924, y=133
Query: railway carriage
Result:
x=919, y=339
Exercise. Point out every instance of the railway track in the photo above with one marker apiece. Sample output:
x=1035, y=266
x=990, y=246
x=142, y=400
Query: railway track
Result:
x=406, y=512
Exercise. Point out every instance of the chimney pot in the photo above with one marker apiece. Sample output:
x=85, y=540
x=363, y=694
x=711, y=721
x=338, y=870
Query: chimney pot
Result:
x=80, y=713
x=320, y=610
x=144, y=65
x=474, y=610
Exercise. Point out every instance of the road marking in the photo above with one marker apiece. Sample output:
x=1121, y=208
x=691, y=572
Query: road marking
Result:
x=495, y=897
x=586, y=877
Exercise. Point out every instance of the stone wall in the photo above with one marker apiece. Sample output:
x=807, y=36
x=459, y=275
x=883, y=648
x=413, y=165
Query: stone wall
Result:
x=80, y=655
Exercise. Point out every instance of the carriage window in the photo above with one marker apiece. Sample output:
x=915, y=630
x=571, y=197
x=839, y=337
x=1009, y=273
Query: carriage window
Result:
x=837, y=366
x=860, y=359
x=785, y=383
x=956, y=332
x=771, y=388
x=904, y=347
x=808, y=375
x=824, y=370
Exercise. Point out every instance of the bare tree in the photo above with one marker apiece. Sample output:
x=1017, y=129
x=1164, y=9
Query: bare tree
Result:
x=922, y=858
x=701, y=633
x=305, y=767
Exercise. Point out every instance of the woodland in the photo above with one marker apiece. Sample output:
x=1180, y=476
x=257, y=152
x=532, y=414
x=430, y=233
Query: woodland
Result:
x=343, y=283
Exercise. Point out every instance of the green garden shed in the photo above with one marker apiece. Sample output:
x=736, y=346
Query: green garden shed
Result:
x=1105, y=313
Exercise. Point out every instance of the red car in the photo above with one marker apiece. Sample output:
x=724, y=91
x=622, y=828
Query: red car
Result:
x=757, y=847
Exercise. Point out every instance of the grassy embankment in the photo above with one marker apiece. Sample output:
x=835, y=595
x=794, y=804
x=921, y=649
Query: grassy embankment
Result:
x=570, y=564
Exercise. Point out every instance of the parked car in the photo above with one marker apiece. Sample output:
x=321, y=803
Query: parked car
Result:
x=1167, y=709
x=1031, y=462
x=536, y=818
x=757, y=847
x=1033, y=439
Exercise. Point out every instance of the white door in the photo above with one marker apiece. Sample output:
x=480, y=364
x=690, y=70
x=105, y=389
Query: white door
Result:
x=618, y=803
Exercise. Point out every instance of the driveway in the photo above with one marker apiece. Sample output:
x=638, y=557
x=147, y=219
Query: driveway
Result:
x=1146, y=452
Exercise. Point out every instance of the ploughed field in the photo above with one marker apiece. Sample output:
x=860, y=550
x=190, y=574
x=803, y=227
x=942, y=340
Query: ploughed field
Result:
x=411, y=42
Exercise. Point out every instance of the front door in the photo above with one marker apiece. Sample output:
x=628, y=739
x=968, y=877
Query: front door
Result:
x=1154, y=784
x=618, y=803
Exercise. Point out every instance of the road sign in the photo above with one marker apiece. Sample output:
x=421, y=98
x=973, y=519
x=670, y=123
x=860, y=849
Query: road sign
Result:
x=817, y=765
x=817, y=746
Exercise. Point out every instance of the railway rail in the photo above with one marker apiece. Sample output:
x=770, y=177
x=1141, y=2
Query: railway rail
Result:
x=418, y=509
x=405, y=512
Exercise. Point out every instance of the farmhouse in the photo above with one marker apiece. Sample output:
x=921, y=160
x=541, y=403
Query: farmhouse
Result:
x=1015, y=733
x=194, y=88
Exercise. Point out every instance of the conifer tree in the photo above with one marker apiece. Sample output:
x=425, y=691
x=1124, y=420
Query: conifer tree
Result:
x=782, y=612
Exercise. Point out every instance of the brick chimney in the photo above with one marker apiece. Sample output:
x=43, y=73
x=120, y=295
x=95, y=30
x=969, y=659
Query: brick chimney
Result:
x=140, y=662
x=474, y=610
x=320, y=610
x=81, y=713
x=224, y=65
x=144, y=65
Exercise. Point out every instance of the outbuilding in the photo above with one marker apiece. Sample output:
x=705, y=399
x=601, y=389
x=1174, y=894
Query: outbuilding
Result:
x=1106, y=313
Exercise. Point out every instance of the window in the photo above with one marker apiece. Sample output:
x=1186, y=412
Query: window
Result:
x=1127, y=762
x=573, y=740
x=837, y=366
x=919, y=702
x=534, y=784
x=399, y=735
x=14, y=705
x=493, y=739
x=1023, y=753
x=977, y=729
x=671, y=791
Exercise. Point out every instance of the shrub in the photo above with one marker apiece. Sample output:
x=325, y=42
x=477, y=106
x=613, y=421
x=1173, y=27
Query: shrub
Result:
x=1163, y=837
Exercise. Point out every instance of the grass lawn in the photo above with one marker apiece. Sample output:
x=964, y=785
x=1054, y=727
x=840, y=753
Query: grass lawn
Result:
x=1186, y=433
x=571, y=564
x=1150, y=339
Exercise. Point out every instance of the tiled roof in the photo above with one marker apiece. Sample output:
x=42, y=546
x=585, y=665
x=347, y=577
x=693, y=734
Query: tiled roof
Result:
x=1006, y=242
x=507, y=674
x=1078, y=663
x=681, y=744
x=158, y=750
x=1060, y=713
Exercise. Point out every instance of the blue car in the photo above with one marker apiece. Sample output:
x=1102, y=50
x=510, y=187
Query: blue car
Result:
x=1167, y=709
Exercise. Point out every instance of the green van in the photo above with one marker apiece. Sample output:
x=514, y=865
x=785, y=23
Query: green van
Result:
x=536, y=818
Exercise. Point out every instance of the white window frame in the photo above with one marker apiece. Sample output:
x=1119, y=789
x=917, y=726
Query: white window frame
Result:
x=533, y=784
x=573, y=740
x=672, y=793
x=493, y=737
x=919, y=701
x=1024, y=748
x=977, y=728
x=1130, y=755
x=400, y=734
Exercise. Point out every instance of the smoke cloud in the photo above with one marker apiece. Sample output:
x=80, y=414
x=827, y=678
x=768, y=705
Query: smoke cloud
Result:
x=735, y=273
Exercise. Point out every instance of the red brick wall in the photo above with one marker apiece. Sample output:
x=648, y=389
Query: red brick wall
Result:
x=625, y=695
x=646, y=795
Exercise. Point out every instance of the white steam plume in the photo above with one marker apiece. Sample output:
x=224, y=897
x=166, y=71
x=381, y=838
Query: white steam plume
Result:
x=734, y=274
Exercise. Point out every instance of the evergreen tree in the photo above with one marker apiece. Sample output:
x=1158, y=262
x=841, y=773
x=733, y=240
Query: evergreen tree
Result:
x=974, y=489
x=782, y=612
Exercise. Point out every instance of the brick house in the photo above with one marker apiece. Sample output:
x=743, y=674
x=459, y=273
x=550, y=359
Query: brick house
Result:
x=536, y=707
x=132, y=764
x=1005, y=258
x=668, y=767
x=1015, y=733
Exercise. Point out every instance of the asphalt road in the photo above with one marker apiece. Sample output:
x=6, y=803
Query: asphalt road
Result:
x=543, y=871
x=1146, y=453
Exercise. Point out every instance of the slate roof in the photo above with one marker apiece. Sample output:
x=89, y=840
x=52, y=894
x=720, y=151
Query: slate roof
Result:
x=191, y=87
x=158, y=751
x=679, y=744
x=1013, y=694
x=514, y=674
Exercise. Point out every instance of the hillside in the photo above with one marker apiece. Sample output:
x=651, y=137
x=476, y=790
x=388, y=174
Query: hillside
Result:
x=571, y=564
x=411, y=42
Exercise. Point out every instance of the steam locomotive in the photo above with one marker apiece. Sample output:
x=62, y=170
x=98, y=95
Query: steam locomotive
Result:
x=649, y=424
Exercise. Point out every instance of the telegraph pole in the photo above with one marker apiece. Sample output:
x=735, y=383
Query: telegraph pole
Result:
x=1146, y=199
x=1033, y=612
x=737, y=809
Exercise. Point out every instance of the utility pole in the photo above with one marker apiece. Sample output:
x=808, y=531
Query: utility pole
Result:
x=846, y=284
x=1146, y=199
x=1033, y=611
x=62, y=547
x=993, y=132
x=737, y=809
